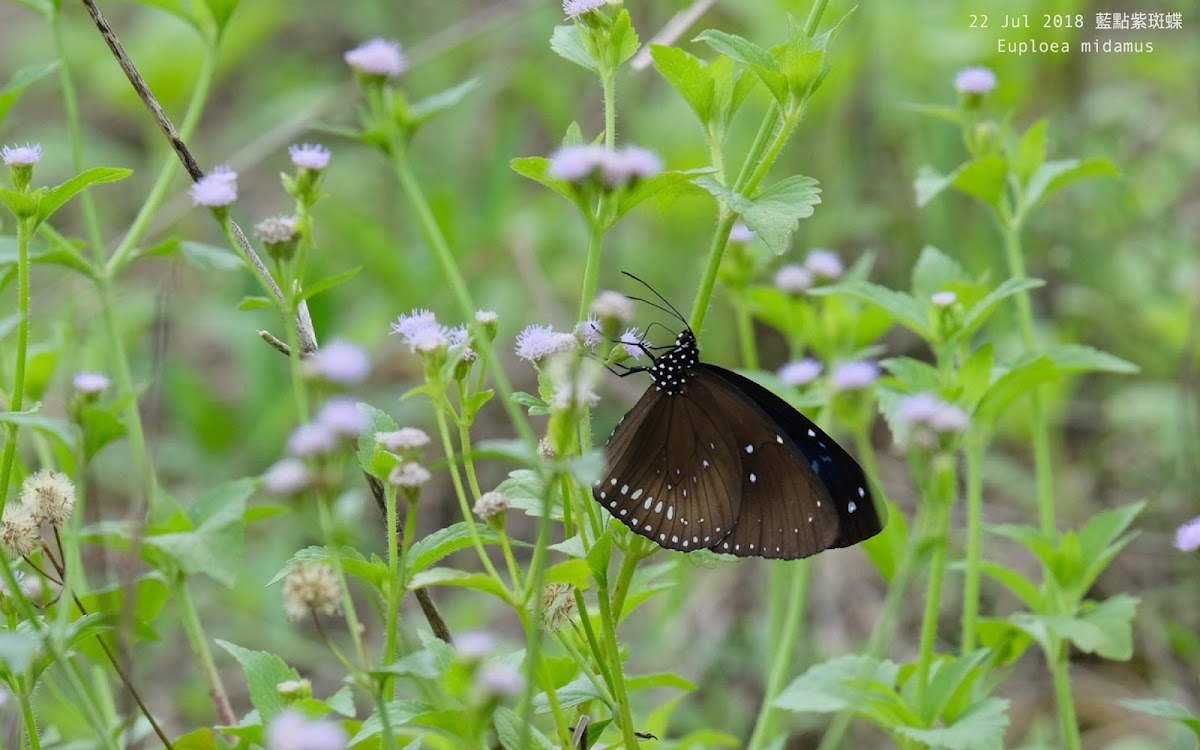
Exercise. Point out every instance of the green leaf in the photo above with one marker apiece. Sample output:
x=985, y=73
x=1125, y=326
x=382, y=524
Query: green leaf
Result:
x=18, y=649
x=101, y=425
x=916, y=376
x=444, y=542
x=828, y=687
x=980, y=728
x=1031, y=152
x=950, y=676
x=417, y=664
x=220, y=11
x=453, y=577
x=648, y=188
x=377, y=421
x=1100, y=540
x=352, y=562
x=475, y=402
x=774, y=213
x=255, y=303
x=599, y=556
x=688, y=76
x=437, y=103
x=1024, y=589
x=399, y=713
x=982, y=310
x=213, y=546
x=567, y=43
x=198, y=255
x=536, y=168
x=1104, y=629
x=21, y=80
x=1164, y=709
x=1080, y=358
x=983, y=178
x=20, y=204
x=264, y=671
x=1054, y=175
x=578, y=690
x=623, y=40
x=974, y=376
x=535, y=405
x=525, y=491
x=329, y=282
x=903, y=306
x=509, y=728
x=748, y=53
x=576, y=572
x=659, y=680
x=935, y=272
x=60, y=194
x=1015, y=383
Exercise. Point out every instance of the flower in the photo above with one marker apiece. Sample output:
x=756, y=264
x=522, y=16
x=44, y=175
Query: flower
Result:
x=18, y=531
x=487, y=317
x=628, y=164
x=275, y=229
x=943, y=299
x=740, y=233
x=850, y=376
x=405, y=438
x=927, y=410
x=793, y=278
x=633, y=342
x=1187, y=537
x=216, y=189
x=537, y=342
x=309, y=155
x=576, y=163
x=91, y=382
x=588, y=332
x=474, y=644
x=22, y=156
x=377, y=57
x=558, y=604
x=311, y=439
x=292, y=730
x=429, y=340
x=576, y=8
x=311, y=587
x=342, y=416
x=824, y=264
x=800, y=372
x=407, y=325
x=286, y=477
x=974, y=80
x=500, y=679
x=410, y=475
x=572, y=386
x=491, y=504
x=341, y=362
x=49, y=496
x=613, y=306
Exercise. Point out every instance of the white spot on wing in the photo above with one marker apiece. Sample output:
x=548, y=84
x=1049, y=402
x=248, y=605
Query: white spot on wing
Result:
x=753, y=478
x=637, y=493
x=851, y=507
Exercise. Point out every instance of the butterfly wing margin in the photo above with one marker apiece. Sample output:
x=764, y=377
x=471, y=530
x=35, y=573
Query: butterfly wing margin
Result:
x=664, y=479
x=841, y=476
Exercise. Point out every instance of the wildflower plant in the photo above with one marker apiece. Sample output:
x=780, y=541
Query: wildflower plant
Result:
x=523, y=590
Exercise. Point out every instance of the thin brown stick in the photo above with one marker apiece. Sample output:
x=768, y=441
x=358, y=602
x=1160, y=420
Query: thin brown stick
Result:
x=304, y=327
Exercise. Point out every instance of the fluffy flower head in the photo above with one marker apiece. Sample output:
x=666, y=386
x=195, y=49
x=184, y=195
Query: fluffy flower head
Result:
x=800, y=372
x=740, y=233
x=576, y=8
x=91, y=382
x=537, y=342
x=405, y=438
x=409, y=475
x=609, y=305
x=312, y=586
x=216, y=189
x=975, y=80
x=377, y=57
x=824, y=264
x=1187, y=537
x=850, y=376
x=49, y=496
x=309, y=155
x=286, y=477
x=292, y=730
x=22, y=156
x=341, y=362
x=793, y=278
x=342, y=416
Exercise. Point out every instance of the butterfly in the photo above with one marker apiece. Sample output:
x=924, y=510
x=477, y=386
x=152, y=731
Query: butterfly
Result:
x=709, y=459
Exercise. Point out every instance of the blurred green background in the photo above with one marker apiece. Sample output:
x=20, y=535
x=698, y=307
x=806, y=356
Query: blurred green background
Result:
x=1120, y=258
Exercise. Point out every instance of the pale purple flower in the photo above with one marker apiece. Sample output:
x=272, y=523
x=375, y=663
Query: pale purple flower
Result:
x=286, y=477
x=429, y=339
x=925, y=409
x=800, y=372
x=292, y=730
x=824, y=264
x=500, y=679
x=457, y=335
x=1187, y=537
x=216, y=189
x=407, y=325
x=974, y=80
x=309, y=156
x=740, y=234
x=486, y=317
x=410, y=475
x=943, y=299
x=610, y=305
x=576, y=8
x=342, y=416
x=633, y=342
x=22, y=156
x=949, y=418
x=850, y=376
x=405, y=438
x=537, y=342
x=630, y=163
x=576, y=163
x=311, y=439
x=474, y=644
x=793, y=278
x=341, y=362
x=380, y=57
x=91, y=382
x=588, y=332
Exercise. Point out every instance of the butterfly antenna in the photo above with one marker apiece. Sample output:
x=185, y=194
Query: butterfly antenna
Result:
x=654, y=291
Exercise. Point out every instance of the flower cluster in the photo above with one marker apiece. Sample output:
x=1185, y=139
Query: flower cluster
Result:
x=338, y=422
x=930, y=417
x=615, y=168
x=537, y=342
x=340, y=362
x=47, y=497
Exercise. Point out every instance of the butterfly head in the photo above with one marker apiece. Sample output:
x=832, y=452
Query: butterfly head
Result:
x=673, y=370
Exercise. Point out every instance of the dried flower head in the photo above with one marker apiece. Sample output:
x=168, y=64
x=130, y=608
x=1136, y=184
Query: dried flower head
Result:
x=377, y=57
x=800, y=372
x=22, y=156
x=545, y=449
x=405, y=438
x=490, y=505
x=824, y=264
x=309, y=156
x=1187, y=537
x=49, y=496
x=410, y=475
x=18, y=531
x=275, y=230
x=538, y=342
x=558, y=605
x=341, y=362
x=311, y=587
x=91, y=382
x=855, y=375
x=287, y=477
x=974, y=80
x=217, y=189
x=793, y=278
x=292, y=730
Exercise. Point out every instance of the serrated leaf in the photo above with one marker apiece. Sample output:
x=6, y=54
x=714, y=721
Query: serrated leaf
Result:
x=568, y=44
x=445, y=542
x=748, y=53
x=688, y=76
x=452, y=577
x=774, y=213
x=1164, y=709
x=980, y=728
x=213, y=545
x=1054, y=175
x=829, y=686
x=1081, y=358
x=509, y=728
x=651, y=187
x=623, y=40
x=903, y=306
x=1031, y=152
x=56, y=196
x=264, y=671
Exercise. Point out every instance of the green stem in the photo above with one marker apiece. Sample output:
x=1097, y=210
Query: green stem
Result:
x=1060, y=672
x=591, y=271
x=936, y=535
x=609, y=622
x=974, y=451
x=395, y=586
x=538, y=665
x=325, y=519
x=814, y=17
x=208, y=668
x=17, y=400
x=745, y=327
x=609, y=82
x=708, y=280
x=624, y=577
x=385, y=722
x=30, y=722
x=533, y=635
x=781, y=658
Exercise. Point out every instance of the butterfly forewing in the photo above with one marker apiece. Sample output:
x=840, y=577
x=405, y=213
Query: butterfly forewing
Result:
x=665, y=479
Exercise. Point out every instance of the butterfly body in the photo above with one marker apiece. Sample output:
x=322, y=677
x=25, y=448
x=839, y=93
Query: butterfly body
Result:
x=708, y=459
